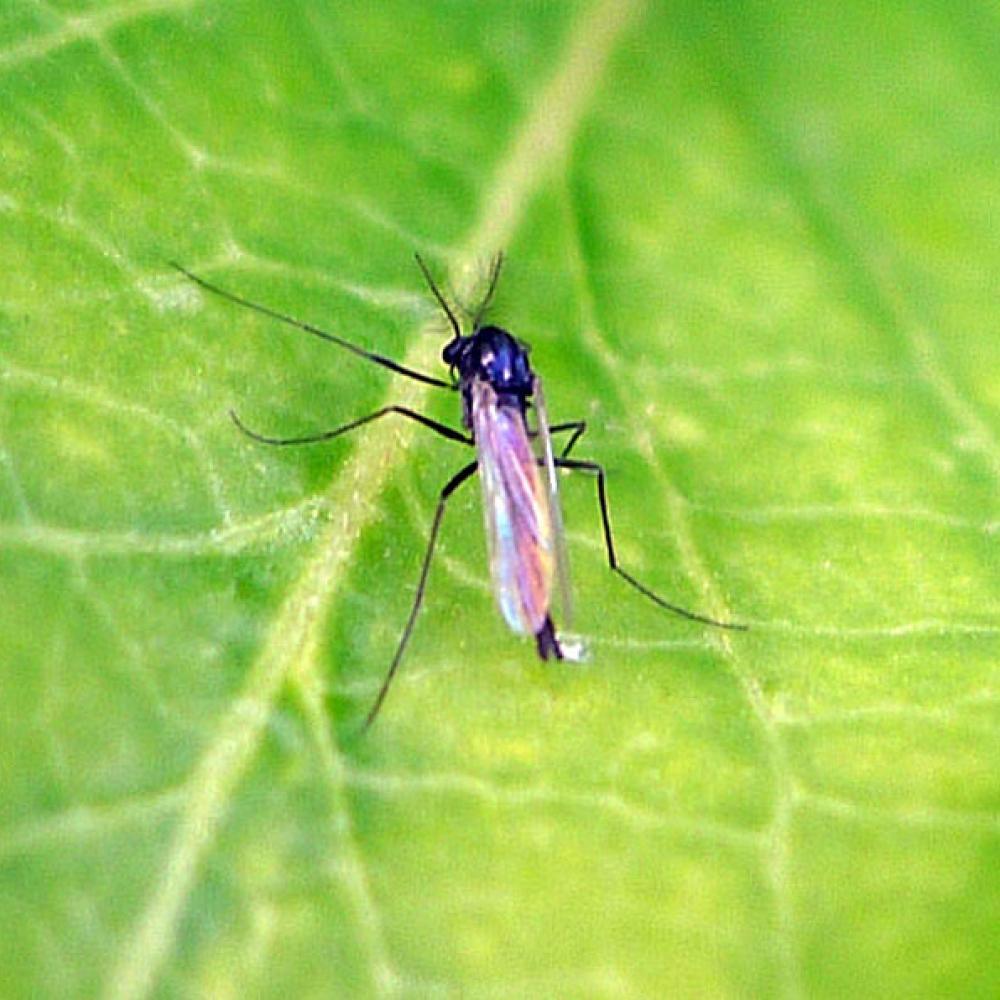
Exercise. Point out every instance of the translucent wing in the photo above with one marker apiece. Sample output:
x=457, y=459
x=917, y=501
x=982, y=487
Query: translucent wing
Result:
x=555, y=507
x=516, y=510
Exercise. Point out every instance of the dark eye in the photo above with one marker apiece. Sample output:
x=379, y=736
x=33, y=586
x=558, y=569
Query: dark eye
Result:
x=452, y=352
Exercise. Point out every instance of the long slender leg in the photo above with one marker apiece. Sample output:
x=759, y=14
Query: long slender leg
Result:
x=443, y=429
x=418, y=598
x=578, y=427
x=602, y=497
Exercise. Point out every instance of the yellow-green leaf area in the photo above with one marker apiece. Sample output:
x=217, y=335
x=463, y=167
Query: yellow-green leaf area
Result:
x=754, y=246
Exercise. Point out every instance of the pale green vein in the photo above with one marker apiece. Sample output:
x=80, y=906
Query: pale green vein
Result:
x=779, y=514
x=88, y=821
x=604, y=803
x=345, y=854
x=930, y=626
x=867, y=251
x=293, y=638
x=92, y=26
x=775, y=853
x=287, y=526
x=914, y=817
x=880, y=265
x=66, y=388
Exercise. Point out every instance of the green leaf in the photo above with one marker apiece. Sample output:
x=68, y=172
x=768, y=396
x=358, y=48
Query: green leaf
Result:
x=754, y=246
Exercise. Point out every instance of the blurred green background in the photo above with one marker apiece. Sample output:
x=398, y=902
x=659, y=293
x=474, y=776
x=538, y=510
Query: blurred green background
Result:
x=756, y=245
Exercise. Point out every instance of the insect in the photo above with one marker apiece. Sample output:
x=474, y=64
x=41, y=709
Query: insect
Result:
x=490, y=370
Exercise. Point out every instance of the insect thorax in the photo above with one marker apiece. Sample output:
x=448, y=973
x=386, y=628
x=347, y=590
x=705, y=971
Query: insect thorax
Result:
x=493, y=356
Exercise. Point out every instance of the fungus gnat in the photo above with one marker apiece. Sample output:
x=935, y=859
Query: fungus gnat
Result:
x=490, y=369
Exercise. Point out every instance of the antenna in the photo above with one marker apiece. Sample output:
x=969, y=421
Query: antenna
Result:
x=488, y=298
x=437, y=294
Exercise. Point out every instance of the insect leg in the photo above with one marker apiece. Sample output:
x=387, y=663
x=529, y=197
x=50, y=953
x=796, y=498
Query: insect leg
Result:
x=602, y=497
x=418, y=598
x=578, y=427
x=443, y=429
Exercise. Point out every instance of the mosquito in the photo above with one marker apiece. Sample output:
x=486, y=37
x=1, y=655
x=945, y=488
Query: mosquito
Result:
x=490, y=369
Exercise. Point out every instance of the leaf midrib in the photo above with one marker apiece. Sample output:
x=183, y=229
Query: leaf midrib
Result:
x=290, y=648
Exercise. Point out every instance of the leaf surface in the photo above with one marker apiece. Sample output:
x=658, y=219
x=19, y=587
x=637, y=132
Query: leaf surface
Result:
x=754, y=246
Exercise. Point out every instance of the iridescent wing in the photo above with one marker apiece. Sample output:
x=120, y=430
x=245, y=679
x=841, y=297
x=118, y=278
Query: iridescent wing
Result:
x=555, y=507
x=519, y=527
